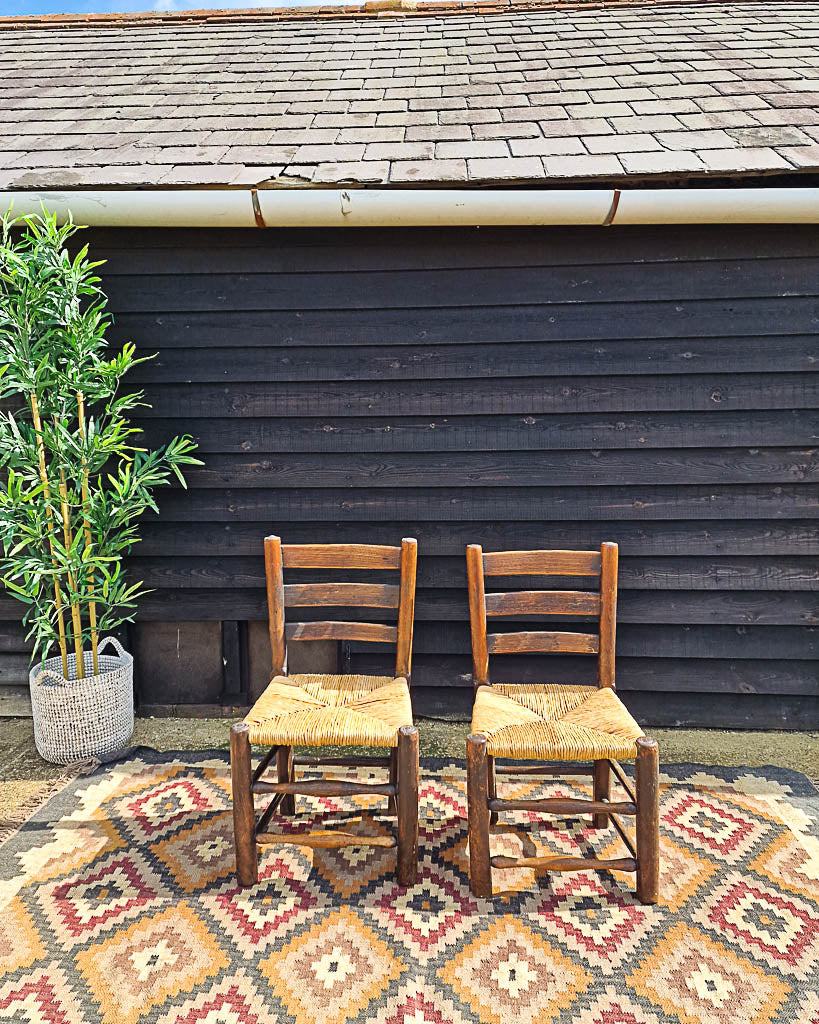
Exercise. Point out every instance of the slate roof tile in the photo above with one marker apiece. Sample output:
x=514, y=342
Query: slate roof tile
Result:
x=505, y=91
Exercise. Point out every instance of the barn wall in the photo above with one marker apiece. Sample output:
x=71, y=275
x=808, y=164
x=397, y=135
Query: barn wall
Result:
x=549, y=387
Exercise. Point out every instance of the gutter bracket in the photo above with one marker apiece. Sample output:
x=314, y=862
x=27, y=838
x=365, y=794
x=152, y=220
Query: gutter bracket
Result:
x=257, y=209
x=615, y=202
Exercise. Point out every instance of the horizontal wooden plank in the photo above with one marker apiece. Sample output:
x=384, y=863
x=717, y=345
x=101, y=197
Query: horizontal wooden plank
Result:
x=543, y=602
x=360, y=595
x=555, y=504
x=465, y=361
x=340, y=556
x=496, y=433
x=363, y=632
x=523, y=396
x=650, y=606
x=705, y=318
x=208, y=250
x=786, y=677
x=449, y=572
x=673, y=537
x=651, y=640
x=550, y=641
x=546, y=563
x=447, y=287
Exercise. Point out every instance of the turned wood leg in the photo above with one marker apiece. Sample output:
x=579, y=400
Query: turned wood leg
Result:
x=602, y=791
x=492, y=786
x=648, y=820
x=407, y=801
x=285, y=773
x=477, y=796
x=244, y=838
x=392, y=802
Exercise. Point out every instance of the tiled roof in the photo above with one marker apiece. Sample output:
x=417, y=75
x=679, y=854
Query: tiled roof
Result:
x=527, y=93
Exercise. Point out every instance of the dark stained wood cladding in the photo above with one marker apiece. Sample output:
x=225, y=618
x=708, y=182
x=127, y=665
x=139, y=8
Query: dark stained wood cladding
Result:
x=515, y=388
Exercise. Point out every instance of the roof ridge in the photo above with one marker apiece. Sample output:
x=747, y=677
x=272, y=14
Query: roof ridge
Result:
x=370, y=9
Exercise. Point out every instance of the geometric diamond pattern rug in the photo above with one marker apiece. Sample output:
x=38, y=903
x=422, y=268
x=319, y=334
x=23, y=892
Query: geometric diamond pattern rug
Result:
x=118, y=905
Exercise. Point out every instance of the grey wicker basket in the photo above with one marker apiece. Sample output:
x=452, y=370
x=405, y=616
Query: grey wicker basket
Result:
x=75, y=719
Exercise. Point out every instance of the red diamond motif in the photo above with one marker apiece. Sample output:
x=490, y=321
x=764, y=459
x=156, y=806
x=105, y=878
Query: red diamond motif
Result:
x=711, y=826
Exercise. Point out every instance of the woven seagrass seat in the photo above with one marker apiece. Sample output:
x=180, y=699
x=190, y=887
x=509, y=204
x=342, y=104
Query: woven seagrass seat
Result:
x=559, y=723
x=340, y=710
x=549, y=722
x=314, y=710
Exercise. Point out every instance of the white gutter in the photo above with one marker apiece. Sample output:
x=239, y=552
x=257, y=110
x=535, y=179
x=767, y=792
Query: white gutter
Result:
x=422, y=207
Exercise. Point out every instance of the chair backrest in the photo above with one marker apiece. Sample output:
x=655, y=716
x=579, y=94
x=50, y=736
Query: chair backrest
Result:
x=600, y=604
x=400, y=596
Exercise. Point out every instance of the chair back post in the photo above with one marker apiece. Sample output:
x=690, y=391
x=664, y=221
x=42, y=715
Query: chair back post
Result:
x=274, y=579
x=477, y=614
x=608, y=614
x=406, y=608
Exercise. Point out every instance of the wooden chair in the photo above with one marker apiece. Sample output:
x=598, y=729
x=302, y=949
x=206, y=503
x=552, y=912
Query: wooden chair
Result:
x=345, y=710
x=553, y=721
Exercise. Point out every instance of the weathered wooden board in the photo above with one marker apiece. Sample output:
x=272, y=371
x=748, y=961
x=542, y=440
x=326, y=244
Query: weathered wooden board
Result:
x=519, y=388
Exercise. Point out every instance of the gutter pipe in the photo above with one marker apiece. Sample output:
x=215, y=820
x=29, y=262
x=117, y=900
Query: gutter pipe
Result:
x=421, y=207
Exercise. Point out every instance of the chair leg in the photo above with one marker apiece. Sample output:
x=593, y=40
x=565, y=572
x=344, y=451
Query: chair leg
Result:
x=285, y=773
x=648, y=820
x=492, y=786
x=407, y=801
x=477, y=796
x=392, y=803
x=244, y=822
x=602, y=791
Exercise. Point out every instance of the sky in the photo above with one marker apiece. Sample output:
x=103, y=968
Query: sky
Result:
x=18, y=7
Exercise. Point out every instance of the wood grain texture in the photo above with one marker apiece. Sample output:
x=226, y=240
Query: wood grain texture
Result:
x=340, y=556
x=551, y=642
x=515, y=388
x=363, y=632
x=362, y=595
x=541, y=563
x=543, y=602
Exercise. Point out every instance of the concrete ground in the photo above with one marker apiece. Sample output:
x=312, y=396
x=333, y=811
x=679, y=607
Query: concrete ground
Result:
x=25, y=778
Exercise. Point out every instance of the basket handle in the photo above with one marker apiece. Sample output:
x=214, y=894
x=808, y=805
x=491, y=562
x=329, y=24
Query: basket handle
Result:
x=116, y=645
x=49, y=678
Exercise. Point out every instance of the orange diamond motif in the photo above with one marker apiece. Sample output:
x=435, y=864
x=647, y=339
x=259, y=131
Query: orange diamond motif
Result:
x=693, y=978
x=332, y=970
x=20, y=945
x=157, y=957
x=509, y=973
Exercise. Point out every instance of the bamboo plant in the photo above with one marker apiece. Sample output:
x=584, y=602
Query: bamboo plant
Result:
x=74, y=479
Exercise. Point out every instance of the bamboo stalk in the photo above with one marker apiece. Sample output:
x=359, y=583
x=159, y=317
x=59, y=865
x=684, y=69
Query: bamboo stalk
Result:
x=76, y=621
x=58, y=600
x=92, y=606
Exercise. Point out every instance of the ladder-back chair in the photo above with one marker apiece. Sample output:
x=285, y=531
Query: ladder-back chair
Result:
x=558, y=722
x=346, y=710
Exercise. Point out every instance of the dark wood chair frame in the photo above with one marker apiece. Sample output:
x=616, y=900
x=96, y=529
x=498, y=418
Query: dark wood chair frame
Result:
x=401, y=790
x=483, y=801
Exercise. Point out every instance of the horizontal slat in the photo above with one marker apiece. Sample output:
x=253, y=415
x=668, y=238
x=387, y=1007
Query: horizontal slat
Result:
x=208, y=250
x=500, y=432
x=509, y=469
x=543, y=642
x=365, y=632
x=566, y=863
x=701, y=318
x=525, y=395
x=500, y=286
x=541, y=563
x=650, y=539
x=469, y=361
x=324, y=840
x=557, y=805
x=543, y=602
x=340, y=556
x=361, y=595
x=537, y=504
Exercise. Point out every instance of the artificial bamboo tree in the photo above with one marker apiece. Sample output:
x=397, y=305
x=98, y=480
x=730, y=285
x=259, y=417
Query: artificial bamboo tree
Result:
x=75, y=479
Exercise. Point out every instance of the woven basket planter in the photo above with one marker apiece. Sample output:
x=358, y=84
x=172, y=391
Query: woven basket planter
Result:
x=75, y=719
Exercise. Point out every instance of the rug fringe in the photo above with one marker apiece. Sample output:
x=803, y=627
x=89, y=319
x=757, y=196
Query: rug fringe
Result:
x=9, y=826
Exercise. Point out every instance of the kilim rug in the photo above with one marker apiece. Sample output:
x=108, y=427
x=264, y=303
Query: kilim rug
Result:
x=119, y=906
